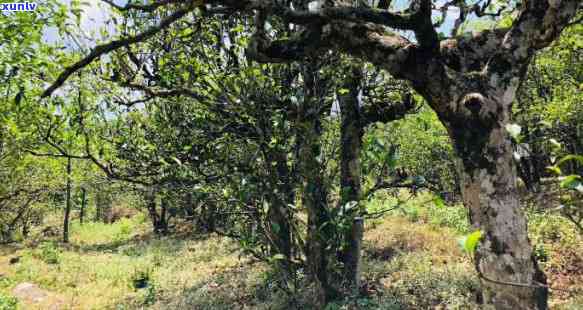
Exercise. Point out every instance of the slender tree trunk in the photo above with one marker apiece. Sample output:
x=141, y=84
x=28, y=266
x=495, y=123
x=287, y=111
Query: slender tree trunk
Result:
x=83, y=205
x=98, y=203
x=351, y=142
x=152, y=209
x=314, y=195
x=162, y=225
x=353, y=262
x=510, y=275
x=287, y=198
x=209, y=209
x=189, y=206
x=278, y=215
x=68, y=204
x=280, y=234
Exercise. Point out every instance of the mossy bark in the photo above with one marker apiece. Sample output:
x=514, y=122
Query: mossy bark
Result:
x=510, y=276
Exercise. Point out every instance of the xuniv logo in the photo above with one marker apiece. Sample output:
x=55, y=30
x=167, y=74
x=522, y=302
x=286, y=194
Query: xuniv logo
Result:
x=17, y=7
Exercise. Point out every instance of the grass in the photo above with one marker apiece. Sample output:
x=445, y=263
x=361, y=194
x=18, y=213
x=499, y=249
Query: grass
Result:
x=96, y=271
x=411, y=261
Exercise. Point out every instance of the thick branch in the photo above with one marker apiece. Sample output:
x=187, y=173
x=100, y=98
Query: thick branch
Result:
x=390, y=51
x=404, y=21
x=103, y=49
x=540, y=22
x=388, y=113
x=141, y=7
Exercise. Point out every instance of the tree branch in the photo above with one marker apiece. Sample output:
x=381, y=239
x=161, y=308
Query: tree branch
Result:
x=539, y=23
x=103, y=49
x=375, y=113
x=141, y=7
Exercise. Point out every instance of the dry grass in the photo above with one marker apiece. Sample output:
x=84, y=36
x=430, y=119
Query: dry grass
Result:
x=96, y=273
x=409, y=263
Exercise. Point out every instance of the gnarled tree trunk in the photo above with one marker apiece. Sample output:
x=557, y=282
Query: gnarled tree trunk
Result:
x=504, y=260
x=461, y=77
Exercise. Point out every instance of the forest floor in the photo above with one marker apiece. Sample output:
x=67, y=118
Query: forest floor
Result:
x=411, y=261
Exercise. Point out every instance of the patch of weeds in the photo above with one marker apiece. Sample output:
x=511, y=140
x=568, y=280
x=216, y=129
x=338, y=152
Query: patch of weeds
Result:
x=427, y=290
x=455, y=217
x=141, y=218
x=412, y=214
x=131, y=251
x=271, y=284
x=8, y=302
x=124, y=232
x=150, y=295
x=49, y=253
x=5, y=283
x=364, y=303
x=541, y=252
x=158, y=259
x=551, y=228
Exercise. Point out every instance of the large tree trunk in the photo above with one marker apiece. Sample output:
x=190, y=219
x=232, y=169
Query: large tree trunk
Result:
x=510, y=275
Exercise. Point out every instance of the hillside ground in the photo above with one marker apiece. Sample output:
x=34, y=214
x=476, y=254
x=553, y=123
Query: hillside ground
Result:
x=412, y=260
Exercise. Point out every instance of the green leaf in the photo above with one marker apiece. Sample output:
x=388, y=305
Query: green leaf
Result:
x=514, y=130
x=470, y=242
x=556, y=145
x=571, y=181
x=176, y=160
x=555, y=169
x=578, y=158
x=439, y=203
x=343, y=91
x=278, y=257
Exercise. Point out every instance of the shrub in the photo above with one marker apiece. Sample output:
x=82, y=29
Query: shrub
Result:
x=125, y=230
x=455, y=217
x=49, y=253
x=8, y=302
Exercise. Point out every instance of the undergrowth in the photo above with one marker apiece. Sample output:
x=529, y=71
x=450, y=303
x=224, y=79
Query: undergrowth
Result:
x=411, y=260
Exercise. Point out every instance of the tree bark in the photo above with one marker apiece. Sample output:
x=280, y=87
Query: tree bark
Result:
x=98, y=203
x=351, y=142
x=279, y=198
x=151, y=206
x=83, y=205
x=504, y=260
x=159, y=219
x=314, y=194
x=68, y=204
x=353, y=264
